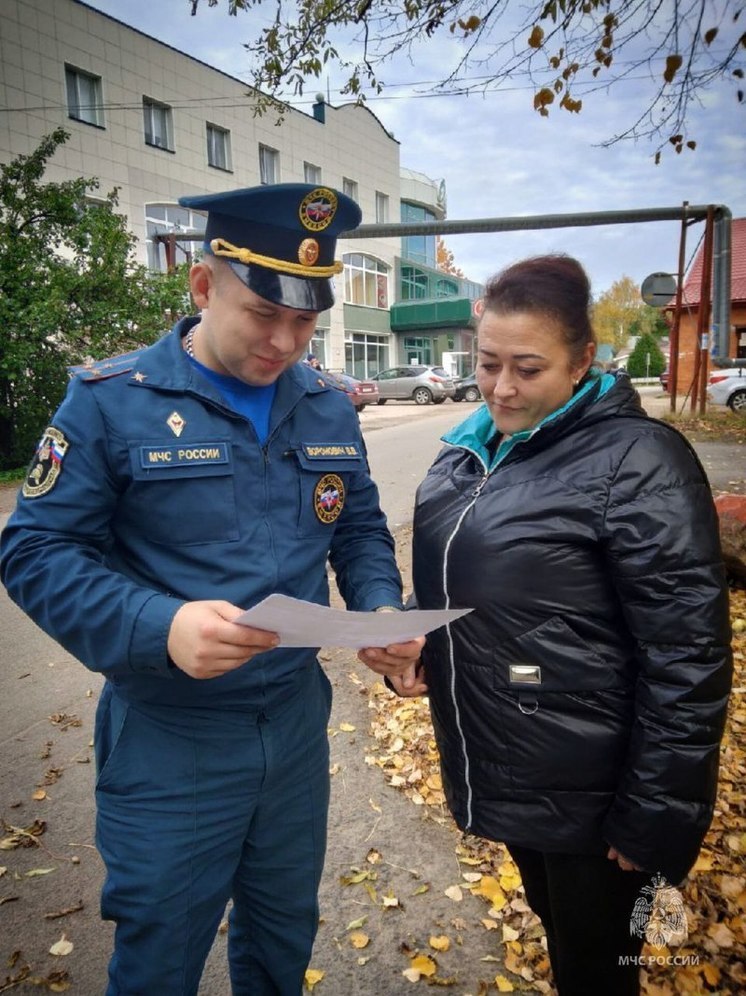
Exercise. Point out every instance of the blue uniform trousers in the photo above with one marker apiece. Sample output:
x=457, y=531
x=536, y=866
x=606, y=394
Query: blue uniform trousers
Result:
x=194, y=810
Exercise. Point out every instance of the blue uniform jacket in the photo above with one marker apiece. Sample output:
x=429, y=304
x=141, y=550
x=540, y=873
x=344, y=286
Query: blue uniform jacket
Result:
x=160, y=495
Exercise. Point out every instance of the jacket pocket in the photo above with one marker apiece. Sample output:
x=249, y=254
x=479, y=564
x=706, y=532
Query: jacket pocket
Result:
x=182, y=496
x=552, y=657
x=322, y=488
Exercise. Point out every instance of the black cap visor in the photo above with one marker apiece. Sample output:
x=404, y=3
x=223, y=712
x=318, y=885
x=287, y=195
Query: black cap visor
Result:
x=301, y=293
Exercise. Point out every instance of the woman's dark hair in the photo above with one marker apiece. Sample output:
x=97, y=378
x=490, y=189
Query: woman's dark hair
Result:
x=556, y=286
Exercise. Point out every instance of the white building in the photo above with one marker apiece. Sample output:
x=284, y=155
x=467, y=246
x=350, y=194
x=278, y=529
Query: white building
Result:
x=158, y=124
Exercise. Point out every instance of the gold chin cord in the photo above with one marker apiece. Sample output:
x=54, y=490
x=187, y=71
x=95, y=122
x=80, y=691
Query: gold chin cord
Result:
x=220, y=247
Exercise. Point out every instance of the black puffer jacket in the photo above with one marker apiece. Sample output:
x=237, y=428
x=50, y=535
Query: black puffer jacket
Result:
x=582, y=703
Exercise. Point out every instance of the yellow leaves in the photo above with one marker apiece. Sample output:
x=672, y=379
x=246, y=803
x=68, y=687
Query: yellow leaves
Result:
x=673, y=64
x=468, y=26
x=439, y=942
x=38, y=795
x=542, y=99
x=722, y=935
x=347, y=727
x=359, y=940
x=358, y=876
x=357, y=924
x=21, y=836
x=455, y=893
x=418, y=966
x=490, y=888
x=504, y=985
x=536, y=38
x=704, y=862
x=711, y=974
x=61, y=948
x=312, y=977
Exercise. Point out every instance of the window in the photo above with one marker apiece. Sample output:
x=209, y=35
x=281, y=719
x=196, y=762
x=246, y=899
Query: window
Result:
x=165, y=219
x=269, y=165
x=84, y=101
x=414, y=283
x=218, y=147
x=157, y=124
x=366, y=354
x=447, y=288
x=366, y=281
x=418, y=349
x=317, y=345
x=382, y=208
x=311, y=173
x=418, y=248
x=349, y=187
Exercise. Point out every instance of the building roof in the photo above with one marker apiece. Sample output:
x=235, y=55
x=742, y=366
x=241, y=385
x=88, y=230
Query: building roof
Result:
x=693, y=280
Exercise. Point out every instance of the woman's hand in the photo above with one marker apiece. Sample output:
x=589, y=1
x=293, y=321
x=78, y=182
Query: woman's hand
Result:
x=624, y=863
x=398, y=659
x=410, y=684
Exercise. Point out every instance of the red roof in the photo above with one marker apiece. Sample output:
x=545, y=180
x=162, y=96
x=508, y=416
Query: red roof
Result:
x=693, y=281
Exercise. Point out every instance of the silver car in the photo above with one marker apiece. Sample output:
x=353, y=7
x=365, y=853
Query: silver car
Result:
x=728, y=387
x=424, y=385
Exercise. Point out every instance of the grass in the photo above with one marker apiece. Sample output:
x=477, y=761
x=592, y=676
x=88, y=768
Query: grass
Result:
x=13, y=476
x=720, y=425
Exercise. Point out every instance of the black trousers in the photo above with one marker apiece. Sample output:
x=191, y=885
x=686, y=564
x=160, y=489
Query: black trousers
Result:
x=585, y=904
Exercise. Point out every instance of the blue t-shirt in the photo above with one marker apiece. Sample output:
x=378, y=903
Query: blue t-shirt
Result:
x=254, y=403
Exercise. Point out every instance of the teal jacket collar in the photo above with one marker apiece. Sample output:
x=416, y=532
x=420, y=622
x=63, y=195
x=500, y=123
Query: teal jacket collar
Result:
x=478, y=431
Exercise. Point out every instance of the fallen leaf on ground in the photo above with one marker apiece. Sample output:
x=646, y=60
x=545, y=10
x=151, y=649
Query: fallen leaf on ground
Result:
x=312, y=977
x=62, y=947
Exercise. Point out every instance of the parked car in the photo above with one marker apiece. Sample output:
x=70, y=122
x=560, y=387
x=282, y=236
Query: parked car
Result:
x=664, y=379
x=728, y=387
x=360, y=392
x=467, y=390
x=424, y=385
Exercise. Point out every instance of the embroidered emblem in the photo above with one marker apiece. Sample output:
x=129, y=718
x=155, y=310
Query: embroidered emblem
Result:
x=329, y=498
x=308, y=252
x=317, y=209
x=47, y=463
x=175, y=423
x=139, y=377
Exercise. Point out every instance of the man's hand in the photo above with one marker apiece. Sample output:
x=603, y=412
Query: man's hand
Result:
x=204, y=642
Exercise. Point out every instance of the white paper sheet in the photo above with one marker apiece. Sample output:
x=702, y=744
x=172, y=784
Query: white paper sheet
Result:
x=304, y=624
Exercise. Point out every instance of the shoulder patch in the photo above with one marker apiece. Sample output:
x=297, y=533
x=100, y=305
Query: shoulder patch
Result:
x=101, y=369
x=46, y=466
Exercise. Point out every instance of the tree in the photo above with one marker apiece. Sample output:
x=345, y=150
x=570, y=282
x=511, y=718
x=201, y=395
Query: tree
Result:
x=615, y=311
x=444, y=259
x=646, y=359
x=69, y=290
x=568, y=50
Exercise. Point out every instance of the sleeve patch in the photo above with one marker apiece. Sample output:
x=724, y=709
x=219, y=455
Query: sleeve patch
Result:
x=46, y=465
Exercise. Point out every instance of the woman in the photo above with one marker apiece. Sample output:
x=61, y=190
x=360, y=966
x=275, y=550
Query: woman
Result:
x=578, y=709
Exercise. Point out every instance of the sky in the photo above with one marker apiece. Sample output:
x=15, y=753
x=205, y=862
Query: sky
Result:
x=500, y=159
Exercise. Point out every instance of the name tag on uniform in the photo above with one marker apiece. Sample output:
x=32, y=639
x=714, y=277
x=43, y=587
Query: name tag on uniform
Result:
x=192, y=455
x=330, y=451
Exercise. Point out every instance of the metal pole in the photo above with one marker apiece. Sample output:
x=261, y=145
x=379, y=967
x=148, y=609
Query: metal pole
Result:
x=673, y=356
x=703, y=325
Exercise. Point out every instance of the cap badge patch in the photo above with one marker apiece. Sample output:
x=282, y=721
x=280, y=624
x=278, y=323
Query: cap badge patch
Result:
x=308, y=252
x=317, y=209
x=176, y=423
x=329, y=498
x=47, y=463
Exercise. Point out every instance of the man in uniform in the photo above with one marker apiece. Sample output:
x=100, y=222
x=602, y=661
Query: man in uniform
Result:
x=177, y=486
